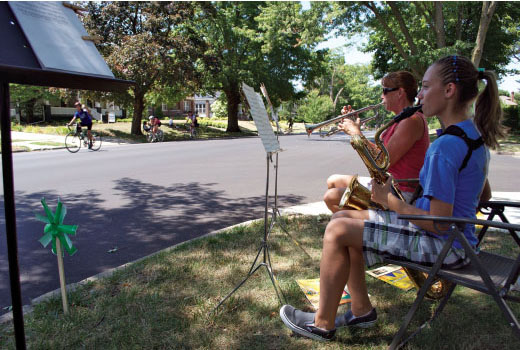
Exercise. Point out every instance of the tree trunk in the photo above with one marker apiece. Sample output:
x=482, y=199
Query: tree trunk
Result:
x=439, y=24
x=458, y=23
x=139, y=104
x=486, y=16
x=234, y=98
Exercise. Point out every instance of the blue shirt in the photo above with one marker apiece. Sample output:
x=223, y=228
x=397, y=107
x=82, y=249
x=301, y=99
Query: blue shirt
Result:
x=440, y=176
x=84, y=117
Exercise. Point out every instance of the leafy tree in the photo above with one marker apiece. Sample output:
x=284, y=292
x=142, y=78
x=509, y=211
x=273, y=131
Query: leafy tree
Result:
x=147, y=42
x=257, y=42
x=346, y=83
x=410, y=35
x=315, y=108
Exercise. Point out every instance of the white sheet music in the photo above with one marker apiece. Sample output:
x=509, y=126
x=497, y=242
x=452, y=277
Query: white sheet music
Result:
x=260, y=117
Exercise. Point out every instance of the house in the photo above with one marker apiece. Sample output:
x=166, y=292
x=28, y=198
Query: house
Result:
x=199, y=104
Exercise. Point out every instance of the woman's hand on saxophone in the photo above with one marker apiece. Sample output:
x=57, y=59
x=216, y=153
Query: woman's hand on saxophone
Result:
x=380, y=192
x=350, y=127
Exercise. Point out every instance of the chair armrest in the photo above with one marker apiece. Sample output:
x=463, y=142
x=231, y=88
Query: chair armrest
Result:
x=450, y=219
x=498, y=204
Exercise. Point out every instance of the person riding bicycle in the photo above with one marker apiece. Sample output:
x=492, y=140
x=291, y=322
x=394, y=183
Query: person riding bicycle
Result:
x=192, y=119
x=85, y=120
x=155, y=123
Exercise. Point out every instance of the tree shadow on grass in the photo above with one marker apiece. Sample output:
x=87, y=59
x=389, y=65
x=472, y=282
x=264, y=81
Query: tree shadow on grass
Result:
x=153, y=217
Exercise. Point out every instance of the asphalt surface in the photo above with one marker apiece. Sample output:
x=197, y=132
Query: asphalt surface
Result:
x=133, y=200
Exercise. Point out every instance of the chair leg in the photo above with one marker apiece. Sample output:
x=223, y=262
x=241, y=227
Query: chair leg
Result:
x=408, y=318
x=396, y=344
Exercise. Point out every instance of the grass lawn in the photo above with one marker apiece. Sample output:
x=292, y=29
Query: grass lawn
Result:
x=163, y=302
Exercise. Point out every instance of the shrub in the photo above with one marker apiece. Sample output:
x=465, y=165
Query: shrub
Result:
x=219, y=108
x=315, y=108
x=511, y=118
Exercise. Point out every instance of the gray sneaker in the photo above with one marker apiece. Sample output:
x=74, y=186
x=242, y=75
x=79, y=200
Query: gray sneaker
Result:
x=349, y=320
x=303, y=323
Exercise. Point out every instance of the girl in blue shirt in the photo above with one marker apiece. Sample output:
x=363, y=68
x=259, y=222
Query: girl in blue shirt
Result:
x=449, y=88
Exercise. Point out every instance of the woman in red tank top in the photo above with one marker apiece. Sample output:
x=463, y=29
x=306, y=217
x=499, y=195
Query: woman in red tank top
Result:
x=406, y=141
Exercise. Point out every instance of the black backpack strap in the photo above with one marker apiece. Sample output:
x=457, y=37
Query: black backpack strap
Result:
x=471, y=143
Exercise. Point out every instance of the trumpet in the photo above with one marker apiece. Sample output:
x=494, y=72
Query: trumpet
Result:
x=338, y=119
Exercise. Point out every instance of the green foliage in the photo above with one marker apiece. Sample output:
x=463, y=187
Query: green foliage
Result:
x=315, y=108
x=149, y=43
x=413, y=44
x=29, y=99
x=219, y=108
x=158, y=112
x=256, y=42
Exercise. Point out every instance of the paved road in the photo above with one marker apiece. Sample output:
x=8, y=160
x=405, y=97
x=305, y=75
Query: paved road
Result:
x=145, y=197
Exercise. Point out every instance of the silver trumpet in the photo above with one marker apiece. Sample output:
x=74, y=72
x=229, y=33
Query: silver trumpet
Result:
x=338, y=119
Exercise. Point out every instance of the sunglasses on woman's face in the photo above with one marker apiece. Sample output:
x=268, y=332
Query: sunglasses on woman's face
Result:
x=386, y=90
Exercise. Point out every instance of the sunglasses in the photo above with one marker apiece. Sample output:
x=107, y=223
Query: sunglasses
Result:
x=386, y=90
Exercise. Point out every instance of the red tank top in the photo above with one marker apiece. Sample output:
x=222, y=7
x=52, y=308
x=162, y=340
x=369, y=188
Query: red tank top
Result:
x=408, y=167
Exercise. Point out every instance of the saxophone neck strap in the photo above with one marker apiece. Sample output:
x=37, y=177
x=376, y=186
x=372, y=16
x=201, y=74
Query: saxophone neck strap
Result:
x=472, y=144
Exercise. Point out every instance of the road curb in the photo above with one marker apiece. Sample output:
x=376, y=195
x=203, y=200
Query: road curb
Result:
x=73, y=286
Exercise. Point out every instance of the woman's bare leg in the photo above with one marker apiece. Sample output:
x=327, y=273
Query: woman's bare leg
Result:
x=338, y=181
x=342, y=239
x=332, y=198
x=336, y=186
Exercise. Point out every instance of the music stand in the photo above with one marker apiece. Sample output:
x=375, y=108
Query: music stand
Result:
x=272, y=146
x=275, y=213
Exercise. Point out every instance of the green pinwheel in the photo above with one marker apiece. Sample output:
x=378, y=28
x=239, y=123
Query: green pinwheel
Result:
x=55, y=229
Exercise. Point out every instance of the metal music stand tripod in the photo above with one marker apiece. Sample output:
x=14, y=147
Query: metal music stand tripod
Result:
x=275, y=213
x=264, y=248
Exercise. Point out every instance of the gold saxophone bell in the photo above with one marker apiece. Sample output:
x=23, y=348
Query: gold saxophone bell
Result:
x=358, y=197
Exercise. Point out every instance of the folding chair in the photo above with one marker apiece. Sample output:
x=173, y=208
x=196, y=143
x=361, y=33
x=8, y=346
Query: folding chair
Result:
x=493, y=209
x=488, y=273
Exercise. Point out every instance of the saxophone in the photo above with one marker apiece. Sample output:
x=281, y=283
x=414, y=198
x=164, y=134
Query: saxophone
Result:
x=358, y=197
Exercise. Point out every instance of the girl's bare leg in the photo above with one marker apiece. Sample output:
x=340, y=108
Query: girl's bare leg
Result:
x=342, y=239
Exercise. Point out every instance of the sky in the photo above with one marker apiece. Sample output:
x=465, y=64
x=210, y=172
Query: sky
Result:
x=353, y=55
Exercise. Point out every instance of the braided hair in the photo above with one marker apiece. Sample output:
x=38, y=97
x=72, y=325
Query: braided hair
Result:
x=488, y=113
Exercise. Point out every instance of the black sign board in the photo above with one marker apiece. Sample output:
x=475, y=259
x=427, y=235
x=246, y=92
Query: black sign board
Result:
x=39, y=42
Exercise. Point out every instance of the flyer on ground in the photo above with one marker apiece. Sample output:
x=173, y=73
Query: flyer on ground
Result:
x=392, y=274
x=311, y=289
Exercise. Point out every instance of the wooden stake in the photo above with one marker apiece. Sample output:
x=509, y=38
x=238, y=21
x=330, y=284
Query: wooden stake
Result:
x=62, y=276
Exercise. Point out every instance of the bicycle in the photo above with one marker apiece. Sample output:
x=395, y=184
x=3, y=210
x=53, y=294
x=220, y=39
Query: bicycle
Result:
x=151, y=137
x=192, y=129
x=75, y=138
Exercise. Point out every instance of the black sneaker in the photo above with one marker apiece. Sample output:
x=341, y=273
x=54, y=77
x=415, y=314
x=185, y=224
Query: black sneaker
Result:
x=349, y=320
x=303, y=323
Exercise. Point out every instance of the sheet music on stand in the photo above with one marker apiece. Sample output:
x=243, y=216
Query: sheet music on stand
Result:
x=262, y=122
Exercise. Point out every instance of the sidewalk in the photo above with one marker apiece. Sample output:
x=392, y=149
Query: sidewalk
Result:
x=25, y=141
x=319, y=208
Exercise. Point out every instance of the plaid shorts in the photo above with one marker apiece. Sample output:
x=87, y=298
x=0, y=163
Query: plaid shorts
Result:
x=386, y=236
